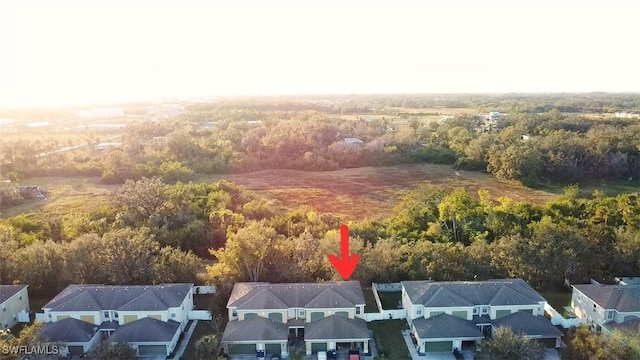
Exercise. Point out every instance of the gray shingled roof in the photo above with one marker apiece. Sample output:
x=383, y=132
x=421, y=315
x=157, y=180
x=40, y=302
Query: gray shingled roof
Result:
x=255, y=329
x=336, y=327
x=470, y=293
x=632, y=326
x=110, y=297
x=624, y=298
x=523, y=323
x=7, y=291
x=68, y=330
x=445, y=326
x=146, y=330
x=255, y=296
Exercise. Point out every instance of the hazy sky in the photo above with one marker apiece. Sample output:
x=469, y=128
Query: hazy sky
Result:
x=65, y=52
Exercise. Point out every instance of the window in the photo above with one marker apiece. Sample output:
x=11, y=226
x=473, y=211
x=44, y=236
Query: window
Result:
x=594, y=307
x=301, y=312
x=20, y=297
x=419, y=311
x=485, y=309
x=234, y=313
x=4, y=309
x=115, y=314
x=173, y=315
x=49, y=315
x=475, y=310
x=106, y=314
x=357, y=310
x=609, y=314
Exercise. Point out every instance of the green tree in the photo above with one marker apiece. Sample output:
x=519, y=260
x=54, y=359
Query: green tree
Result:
x=207, y=347
x=584, y=344
x=246, y=253
x=505, y=345
x=111, y=351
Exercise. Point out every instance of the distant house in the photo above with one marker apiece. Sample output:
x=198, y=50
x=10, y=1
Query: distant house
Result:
x=106, y=145
x=267, y=318
x=352, y=141
x=14, y=305
x=148, y=317
x=100, y=113
x=608, y=307
x=627, y=115
x=444, y=316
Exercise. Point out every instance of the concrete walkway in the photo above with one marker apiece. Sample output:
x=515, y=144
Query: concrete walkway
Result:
x=185, y=341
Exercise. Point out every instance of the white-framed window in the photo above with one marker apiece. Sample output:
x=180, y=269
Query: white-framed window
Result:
x=20, y=297
x=49, y=315
x=115, y=314
x=105, y=314
x=476, y=309
x=419, y=311
x=173, y=315
x=357, y=310
x=609, y=314
x=594, y=307
x=234, y=313
x=485, y=309
x=301, y=312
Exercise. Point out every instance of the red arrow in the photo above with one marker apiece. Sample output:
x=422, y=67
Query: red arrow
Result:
x=345, y=264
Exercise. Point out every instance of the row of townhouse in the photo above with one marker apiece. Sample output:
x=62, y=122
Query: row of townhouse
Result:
x=442, y=316
x=269, y=318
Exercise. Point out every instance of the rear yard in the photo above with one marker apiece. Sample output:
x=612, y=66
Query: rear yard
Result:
x=388, y=337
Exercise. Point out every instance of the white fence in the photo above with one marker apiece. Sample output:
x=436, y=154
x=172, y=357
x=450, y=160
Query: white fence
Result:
x=557, y=319
x=383, y=314
x=40, y=317
x=398, y=314
x=388, y=287
x=204, y=290
x=199, y=315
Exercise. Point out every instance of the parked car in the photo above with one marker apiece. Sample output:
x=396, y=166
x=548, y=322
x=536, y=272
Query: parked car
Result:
x=354, y=354
x=322, y=355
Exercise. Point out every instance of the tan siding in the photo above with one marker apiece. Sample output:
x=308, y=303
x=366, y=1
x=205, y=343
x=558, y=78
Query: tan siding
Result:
x=130, y=318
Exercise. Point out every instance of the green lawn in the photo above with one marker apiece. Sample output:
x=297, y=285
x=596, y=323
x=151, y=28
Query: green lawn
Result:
x=388, y=337
x=558, y=300
x=390, y=300
x=370, y=306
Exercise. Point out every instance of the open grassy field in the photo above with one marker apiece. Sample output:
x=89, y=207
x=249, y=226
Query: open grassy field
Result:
x=354, y=194
x=72, y=194
x=367, y=192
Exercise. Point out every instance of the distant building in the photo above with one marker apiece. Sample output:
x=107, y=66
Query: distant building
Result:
x=627, y=115
x=494, y=116
x=100, y=113
x=39, y=124
x=165, y=111
x=105, y=145
x=353, y=141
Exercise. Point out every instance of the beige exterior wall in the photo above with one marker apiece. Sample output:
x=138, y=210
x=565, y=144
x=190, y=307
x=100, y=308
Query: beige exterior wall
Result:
x=92, y=317
x=329, y=312
x=12, y=306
